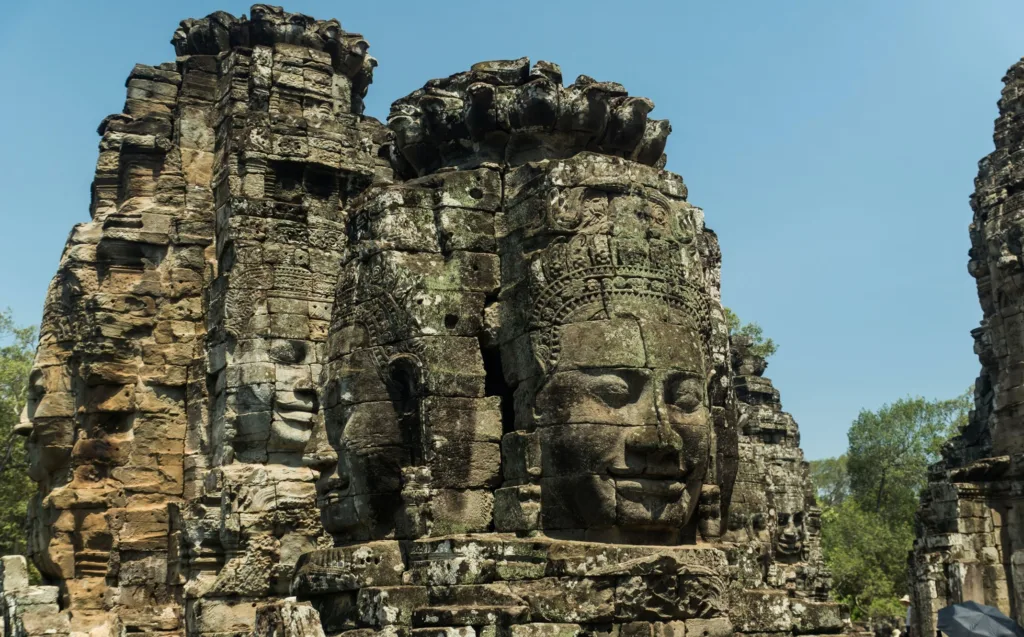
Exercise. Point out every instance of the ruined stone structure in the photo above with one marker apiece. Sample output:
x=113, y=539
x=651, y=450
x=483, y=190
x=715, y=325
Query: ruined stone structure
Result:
x=465, y=374
x=774, y=522
x=970, y=527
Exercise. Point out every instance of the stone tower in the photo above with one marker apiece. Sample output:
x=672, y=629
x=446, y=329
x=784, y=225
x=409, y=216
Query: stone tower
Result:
x=970, y=527
x=466, y=373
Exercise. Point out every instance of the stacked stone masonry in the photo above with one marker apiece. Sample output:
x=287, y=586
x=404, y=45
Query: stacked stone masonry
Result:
x=464, y=374
x=970, y=527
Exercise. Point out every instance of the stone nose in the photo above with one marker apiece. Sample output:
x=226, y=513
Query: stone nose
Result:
x=24, y=426
x=656, y=451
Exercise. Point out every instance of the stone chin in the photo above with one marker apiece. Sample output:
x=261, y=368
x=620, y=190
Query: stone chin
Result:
x=46, y=460
x=290, y=431
x=336, y=510
x=645, y=503
x=337, y=514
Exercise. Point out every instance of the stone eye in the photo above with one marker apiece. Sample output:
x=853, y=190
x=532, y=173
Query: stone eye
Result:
x=35, y=385
x=684, y=393
x=613, y=390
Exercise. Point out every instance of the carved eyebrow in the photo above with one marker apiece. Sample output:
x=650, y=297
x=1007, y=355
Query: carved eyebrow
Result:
x=684, y=374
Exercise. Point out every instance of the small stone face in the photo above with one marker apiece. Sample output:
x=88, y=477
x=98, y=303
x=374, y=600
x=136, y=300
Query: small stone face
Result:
x=789, y=540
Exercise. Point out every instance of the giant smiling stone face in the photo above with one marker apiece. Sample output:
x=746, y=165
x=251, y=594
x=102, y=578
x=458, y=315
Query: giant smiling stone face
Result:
x=611, y=363
x=624, y=429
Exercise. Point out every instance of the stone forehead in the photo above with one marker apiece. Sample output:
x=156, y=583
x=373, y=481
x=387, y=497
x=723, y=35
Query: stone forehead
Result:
x=628, y=342
x=569, y=278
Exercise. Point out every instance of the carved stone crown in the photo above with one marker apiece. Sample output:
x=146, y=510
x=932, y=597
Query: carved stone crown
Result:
x=508, y=112
x=598, y=269
x=269, y=25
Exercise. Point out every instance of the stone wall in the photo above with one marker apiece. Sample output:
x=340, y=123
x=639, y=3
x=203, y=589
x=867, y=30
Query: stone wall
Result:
x=970, y=527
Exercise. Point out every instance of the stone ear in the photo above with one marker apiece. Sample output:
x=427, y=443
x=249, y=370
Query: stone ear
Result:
x=404, y=375
x=405, y=385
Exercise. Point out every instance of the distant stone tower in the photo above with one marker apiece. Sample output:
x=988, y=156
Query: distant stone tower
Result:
x=970, y=527
x=467, y=374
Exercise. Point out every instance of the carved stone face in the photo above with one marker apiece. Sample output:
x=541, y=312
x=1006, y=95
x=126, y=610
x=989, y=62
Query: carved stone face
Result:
x=790, y=533
x=295, y=403
x=616, y=319
x=372, y=418
x=624, y=428
x=373, y=438
x=50, y=415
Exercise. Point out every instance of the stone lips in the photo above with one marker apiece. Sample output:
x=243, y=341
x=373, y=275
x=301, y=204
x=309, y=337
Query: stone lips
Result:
x=509, y=113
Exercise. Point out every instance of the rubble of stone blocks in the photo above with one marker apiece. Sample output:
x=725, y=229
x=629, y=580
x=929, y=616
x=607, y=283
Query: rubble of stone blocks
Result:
x=970, y=533
x=467, y=373
x=503, y=584
x=509, y=113
x=27, y=610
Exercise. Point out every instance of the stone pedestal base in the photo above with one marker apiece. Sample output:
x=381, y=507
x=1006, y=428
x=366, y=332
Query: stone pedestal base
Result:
x=491, y=585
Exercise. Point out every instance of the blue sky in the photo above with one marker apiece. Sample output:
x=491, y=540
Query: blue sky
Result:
x=833, y=146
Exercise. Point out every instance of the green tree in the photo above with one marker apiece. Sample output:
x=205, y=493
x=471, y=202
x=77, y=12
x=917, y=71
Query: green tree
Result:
x=870, y=494
x=867, y=555
x=15, y=486
x=890, y=450
x=831, y=480
x=763, y=347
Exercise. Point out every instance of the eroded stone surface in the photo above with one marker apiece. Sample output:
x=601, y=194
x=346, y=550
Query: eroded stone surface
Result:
x=467, y=374
x=970, y=534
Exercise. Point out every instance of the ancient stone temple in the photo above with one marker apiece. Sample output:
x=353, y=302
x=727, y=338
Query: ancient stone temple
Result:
x=464, y=374
x=970, y=527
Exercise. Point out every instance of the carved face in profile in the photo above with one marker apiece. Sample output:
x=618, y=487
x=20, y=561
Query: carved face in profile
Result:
x=49, y=419
x=361, y=496
x=371, y=395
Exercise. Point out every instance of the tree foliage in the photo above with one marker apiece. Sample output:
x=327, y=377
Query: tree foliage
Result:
x=761, y=346
x=870, y=494
x=15, y=486
x=831, y=480
x=890, y=450
x=867, y=554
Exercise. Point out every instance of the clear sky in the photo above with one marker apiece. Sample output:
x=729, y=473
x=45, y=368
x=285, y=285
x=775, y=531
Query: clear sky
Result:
x=833, y=146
